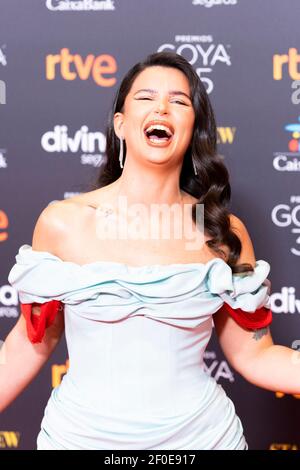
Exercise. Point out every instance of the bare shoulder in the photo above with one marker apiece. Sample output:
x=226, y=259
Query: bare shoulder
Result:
x=237, y=224
x=60, y=224
x=54, y=225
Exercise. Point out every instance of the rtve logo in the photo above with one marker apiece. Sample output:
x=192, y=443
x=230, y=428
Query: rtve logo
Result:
x=74, y=66
x=291, y=59
x=9, y=439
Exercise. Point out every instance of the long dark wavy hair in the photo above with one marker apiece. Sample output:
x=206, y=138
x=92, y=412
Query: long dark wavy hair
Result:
x=211, y=185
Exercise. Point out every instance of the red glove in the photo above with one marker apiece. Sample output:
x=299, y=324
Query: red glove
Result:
x=37, y=324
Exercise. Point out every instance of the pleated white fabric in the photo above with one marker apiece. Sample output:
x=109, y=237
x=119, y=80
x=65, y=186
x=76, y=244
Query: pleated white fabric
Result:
x=136, y=337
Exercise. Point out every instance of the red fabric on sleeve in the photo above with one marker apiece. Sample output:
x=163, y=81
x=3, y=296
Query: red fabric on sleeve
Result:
x=261, y=318
x=37, y=324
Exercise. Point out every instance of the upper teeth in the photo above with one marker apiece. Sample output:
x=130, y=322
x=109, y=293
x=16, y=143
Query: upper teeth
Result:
x=159, y=127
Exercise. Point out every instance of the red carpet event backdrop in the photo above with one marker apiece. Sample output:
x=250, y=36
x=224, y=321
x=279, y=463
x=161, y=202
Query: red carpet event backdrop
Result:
x=61, y=62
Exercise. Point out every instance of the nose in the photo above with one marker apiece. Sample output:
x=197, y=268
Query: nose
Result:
x=161, y=106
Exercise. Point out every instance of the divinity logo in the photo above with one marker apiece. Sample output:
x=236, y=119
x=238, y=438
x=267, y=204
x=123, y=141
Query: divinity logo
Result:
x=80, y=5
x=92, y=145
x=285, y=301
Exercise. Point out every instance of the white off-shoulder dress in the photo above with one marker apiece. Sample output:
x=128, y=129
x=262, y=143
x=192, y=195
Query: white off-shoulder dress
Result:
x=136, y=336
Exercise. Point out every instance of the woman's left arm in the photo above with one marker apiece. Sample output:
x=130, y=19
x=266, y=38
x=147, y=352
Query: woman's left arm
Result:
x=260, y=361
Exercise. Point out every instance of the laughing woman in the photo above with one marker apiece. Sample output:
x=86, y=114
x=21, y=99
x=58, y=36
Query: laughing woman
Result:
x=138, y=310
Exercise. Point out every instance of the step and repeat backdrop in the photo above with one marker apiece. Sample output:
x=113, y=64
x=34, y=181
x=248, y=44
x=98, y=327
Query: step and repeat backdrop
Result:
x=61, y=62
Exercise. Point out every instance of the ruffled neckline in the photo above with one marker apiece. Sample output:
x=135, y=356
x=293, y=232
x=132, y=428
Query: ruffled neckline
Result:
x=161, y=291
x=27, y=249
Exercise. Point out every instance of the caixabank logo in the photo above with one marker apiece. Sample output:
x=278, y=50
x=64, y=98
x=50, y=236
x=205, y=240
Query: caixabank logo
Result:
x=89, y=146
x=289, y=160
x=202, y=52
x=9, y=439
x=80, y=5
x=294, y=142
x=100, y=69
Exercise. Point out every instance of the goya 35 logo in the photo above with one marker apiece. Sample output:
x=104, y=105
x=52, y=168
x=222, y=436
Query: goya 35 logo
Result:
x=288, y=216
x=202, y=53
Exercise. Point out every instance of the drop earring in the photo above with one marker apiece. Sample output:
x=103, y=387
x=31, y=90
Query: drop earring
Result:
x=195, y=170
x=121, y=152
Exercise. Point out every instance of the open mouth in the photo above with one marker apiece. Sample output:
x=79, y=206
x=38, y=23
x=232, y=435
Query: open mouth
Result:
x=158, y=134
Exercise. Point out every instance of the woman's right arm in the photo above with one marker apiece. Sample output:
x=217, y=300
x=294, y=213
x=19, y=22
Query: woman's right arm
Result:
x=21, y=360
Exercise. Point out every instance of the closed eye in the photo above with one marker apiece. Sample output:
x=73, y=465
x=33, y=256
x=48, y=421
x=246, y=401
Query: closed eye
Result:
x=180, y=102
x=150, y=99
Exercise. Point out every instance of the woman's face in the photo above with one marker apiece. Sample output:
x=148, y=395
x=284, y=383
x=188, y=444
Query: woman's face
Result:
x=160, y=96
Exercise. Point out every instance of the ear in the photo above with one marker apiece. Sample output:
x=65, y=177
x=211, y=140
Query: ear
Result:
x=118, y=124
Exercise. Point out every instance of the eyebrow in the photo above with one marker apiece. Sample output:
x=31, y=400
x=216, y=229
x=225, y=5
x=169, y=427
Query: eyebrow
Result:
x=172, y=92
